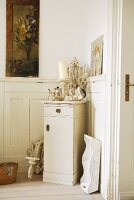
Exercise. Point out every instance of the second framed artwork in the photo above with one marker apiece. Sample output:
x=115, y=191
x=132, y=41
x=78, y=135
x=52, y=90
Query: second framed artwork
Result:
x=96, y=63
x=22, y=38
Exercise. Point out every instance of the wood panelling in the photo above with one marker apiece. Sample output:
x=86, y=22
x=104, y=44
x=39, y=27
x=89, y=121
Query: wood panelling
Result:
x=1, y=119
x=97, y=119
x=23, y=118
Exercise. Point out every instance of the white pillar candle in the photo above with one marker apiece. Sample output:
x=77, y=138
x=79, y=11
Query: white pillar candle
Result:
x=63, y=73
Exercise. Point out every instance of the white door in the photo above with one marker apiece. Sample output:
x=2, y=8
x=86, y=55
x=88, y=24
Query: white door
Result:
x=125, y=122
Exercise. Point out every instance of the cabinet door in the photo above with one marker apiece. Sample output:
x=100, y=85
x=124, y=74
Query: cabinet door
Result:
x=16, y=127
x=58, y=145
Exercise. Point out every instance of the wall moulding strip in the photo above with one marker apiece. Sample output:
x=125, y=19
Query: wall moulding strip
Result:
x=21, y=79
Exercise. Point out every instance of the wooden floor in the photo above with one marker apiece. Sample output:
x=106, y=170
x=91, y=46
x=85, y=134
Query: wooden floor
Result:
x=37, y=190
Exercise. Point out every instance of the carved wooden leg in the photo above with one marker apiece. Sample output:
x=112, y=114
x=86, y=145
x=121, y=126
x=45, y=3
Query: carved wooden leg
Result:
x=30, y=169
x=31, y=162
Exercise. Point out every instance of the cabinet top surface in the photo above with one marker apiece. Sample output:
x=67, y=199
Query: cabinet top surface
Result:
x=62, y=102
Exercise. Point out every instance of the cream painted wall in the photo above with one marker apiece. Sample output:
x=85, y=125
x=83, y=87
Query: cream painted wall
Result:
x=67, y=27
x=98, y=15
x=67, y=30
x=63, y=34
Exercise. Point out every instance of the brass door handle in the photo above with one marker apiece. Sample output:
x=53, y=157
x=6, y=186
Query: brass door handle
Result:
x=127, y=85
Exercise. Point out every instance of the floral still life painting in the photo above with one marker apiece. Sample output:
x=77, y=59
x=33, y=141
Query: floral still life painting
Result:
x=96, y=64
x=22, y=44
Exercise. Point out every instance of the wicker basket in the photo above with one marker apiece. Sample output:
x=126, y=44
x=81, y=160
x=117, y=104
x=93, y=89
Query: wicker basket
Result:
x=8, y=172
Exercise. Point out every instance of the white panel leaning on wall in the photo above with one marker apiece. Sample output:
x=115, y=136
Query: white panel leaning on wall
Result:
x=91, y=163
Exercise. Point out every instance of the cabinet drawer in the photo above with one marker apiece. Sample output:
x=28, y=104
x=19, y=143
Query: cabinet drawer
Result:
x=58, y=110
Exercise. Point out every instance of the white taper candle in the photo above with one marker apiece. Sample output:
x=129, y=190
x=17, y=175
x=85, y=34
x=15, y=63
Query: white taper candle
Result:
x=63, y=72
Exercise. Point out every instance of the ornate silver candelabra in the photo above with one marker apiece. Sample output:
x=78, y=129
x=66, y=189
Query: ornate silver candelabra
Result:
x=74, y=87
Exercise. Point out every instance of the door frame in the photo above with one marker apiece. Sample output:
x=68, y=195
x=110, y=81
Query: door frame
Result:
x=115, y=99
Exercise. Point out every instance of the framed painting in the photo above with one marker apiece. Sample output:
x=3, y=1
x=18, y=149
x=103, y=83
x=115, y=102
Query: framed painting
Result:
x=96, y=64
x=22, y=38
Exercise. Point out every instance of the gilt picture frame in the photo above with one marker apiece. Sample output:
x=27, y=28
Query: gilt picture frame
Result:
x=22, y=38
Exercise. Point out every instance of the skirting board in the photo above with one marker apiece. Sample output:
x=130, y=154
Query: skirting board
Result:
x=59, y=178
x=126, y=196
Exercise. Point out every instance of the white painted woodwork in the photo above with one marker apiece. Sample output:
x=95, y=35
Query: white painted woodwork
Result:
x=1, y=120
x=21, y=124
x=126, y=151
x=64, y=141
x=124, y=119
x=28, y=85
x=97, y=123
x=36, y=117
x=23, y=117
x=16, y=127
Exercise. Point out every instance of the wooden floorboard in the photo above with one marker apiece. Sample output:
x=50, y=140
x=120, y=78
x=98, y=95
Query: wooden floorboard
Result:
x=36, y=189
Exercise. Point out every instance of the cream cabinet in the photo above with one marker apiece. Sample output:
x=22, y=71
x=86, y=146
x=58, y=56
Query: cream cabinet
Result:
x=64, y=128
